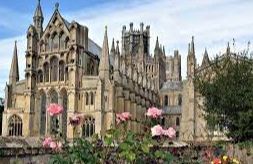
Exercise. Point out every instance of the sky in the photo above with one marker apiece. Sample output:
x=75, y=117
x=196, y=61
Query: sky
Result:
x=213, y=23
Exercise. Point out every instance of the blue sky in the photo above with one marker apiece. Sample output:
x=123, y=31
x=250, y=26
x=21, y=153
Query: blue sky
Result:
x=212, y=22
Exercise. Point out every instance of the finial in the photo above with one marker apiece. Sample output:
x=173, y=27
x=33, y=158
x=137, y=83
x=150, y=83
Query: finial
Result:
x=56, y=5
x=106, y=28
x=15, y=41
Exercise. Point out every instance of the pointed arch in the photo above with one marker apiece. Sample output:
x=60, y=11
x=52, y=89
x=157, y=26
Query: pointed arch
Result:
x=54, y=69
x=86, y=98
x=46, y=72
x=91, y=98
x=61, y=70
x=40, y=76
x=179, y=99
x=55, y=41
x=15, y=126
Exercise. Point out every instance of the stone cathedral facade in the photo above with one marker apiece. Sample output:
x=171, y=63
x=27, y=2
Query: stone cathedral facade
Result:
x=64, y=66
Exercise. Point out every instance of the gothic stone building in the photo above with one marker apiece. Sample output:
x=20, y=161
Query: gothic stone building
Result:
x=64, y=66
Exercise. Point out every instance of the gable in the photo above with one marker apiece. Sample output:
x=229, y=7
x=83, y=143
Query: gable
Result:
x=57, y=24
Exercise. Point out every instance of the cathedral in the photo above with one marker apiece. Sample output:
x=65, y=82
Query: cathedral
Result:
x=64, y=66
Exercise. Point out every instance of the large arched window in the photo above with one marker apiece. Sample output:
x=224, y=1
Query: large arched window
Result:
x=15, y=126
x=62, y=41
x=54, y=121
x=61, y=71
x=47, y=43
x=54, y=69
x=179, y=99
x=46, y=72
x=88, y=128
x=40, y=76
x=166, y=100
x=55, y=42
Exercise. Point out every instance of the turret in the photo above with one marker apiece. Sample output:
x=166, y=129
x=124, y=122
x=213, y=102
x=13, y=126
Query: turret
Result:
x=14, y=71
x=38, y=19
x=104, y=60
x=228, y=49
x=205, y=60
x=191, y=60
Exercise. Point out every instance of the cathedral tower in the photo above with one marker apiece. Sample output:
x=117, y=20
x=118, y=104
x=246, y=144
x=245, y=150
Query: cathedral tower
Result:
x=38, y=19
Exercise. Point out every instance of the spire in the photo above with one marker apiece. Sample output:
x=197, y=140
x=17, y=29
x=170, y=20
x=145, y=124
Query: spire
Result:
x=205, y=60
x=14, y=72
x=38, y=19
x=192, y=46
x=113, y=47
x=117, y=48
x=157, y=44
x=38, y=11
x=164, y=51
x=104, y=60
x=228, y=49
x=189, y=49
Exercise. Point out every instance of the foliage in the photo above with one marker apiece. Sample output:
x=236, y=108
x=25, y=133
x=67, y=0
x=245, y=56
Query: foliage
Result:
x=118, y=145
x=227, y=88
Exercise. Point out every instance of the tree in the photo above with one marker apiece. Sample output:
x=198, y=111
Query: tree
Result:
x=227, y=88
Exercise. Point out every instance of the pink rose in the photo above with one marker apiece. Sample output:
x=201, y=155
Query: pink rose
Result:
x=170, y=132
x=123, y=117
x=157, y=130
x=59, y=145
x=54, y=109
x=75, y=120
x=53, y=145
x=47, y=142
x=154, y=112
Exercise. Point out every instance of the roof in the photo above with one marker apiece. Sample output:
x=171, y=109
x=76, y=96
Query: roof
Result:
x=94, y=48
x=172, y=110
x=172, y=85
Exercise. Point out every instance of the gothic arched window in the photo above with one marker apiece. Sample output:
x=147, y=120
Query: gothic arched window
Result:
x=86, y=98
x=40, y=76
x=179, y=99
x=55, y=42
x=177, y=121
x=15, y=126
x=91, y=98
x=166, y=100
x=61, y=71
x=48, y=43
x=54, y=69
x=66, y=42
x=88, y=128
x=46, y=72
x=62, y=41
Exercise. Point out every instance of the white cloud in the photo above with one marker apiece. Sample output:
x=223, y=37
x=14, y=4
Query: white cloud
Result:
x=212, y=22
